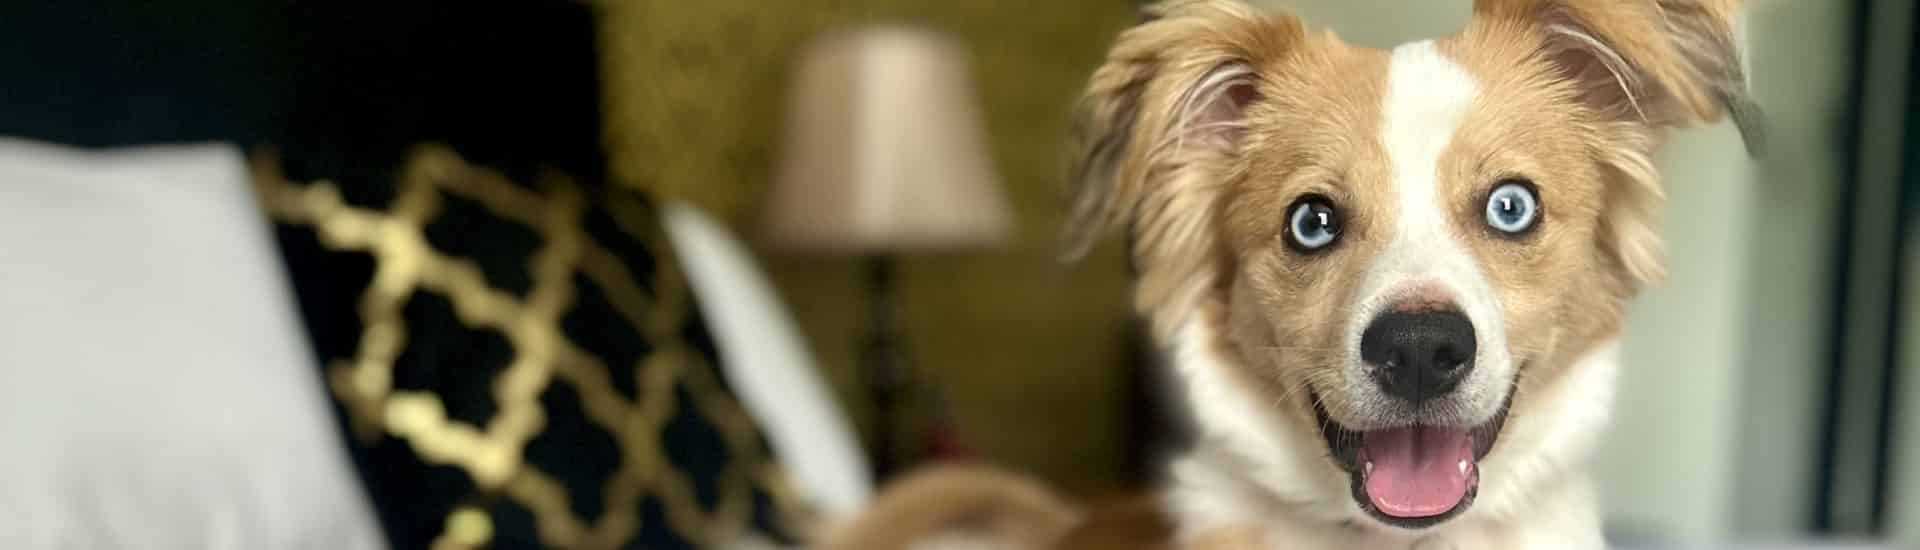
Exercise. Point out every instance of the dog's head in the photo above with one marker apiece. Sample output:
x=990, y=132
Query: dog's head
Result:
x=1394, y=247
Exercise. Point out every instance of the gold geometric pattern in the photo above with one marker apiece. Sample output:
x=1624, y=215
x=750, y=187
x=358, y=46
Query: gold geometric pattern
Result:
x=492, y=454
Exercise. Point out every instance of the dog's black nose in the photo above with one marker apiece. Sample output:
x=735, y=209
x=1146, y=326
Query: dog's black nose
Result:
x=1419, y=355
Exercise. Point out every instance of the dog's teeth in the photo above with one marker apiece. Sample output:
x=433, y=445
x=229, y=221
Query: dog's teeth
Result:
x=1369, y=467
x=1463, y=467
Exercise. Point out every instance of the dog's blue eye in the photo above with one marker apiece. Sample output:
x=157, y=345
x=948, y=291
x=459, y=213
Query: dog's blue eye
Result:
x=1312, y=223
x=1513, y=208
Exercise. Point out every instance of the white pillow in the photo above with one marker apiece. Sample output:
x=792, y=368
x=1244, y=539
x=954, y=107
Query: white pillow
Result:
x=768, y=364
x=156, y=387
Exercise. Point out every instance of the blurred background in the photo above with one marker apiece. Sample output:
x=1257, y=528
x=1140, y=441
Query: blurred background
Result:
x=492, y=250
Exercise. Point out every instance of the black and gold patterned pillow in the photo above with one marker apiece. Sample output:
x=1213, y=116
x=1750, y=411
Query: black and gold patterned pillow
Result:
x=520, y=365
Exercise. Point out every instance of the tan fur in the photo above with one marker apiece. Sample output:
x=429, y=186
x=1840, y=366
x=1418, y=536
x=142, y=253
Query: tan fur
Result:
x=1681, y=52
x=994, y=507
x=1564, y=286
x=1135, y=522
x=1305, y=140
x=1237, y=538
x=1648, y=65
x=1148, y=162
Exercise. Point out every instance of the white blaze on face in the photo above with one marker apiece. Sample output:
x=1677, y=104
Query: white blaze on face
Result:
x=1427, y=98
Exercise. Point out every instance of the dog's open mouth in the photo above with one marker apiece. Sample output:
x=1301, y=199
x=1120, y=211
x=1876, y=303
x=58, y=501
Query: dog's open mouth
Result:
x=1415, y=476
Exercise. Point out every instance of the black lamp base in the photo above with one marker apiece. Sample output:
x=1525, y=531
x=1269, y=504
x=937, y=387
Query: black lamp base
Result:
x=882, y=366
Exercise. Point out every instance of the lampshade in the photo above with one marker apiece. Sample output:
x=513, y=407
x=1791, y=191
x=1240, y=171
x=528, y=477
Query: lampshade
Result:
x=884, y=150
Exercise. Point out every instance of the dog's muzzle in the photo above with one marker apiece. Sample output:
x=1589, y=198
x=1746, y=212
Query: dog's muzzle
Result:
x=1423, y=468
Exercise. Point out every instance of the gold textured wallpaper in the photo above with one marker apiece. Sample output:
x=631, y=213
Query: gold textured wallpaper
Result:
x=1029, y=352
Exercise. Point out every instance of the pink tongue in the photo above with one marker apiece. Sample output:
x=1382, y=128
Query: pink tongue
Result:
x=1416, y=472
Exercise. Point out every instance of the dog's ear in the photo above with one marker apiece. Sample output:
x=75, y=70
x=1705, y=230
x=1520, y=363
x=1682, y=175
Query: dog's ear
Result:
x=1159, y=127
x=1663, y=62
x=1643, y=66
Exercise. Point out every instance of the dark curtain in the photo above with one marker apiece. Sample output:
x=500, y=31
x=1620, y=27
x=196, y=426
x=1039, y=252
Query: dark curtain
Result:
x=1855, y=473
x=100, y=73
x=345, y=87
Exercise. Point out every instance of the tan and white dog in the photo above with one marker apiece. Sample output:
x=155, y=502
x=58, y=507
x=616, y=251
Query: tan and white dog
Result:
x=1392, y=282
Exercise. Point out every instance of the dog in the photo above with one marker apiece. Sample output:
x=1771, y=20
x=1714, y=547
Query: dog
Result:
x=1392, y=283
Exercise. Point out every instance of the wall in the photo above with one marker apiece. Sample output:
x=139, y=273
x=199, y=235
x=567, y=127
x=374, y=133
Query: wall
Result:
x=1805, y=85
x=1683, y=353
x=1904, y=511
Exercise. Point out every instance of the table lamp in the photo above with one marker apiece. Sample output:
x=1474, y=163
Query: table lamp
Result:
x=884, y=153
